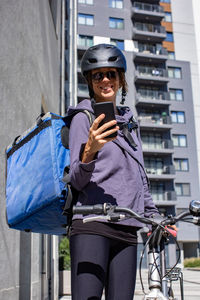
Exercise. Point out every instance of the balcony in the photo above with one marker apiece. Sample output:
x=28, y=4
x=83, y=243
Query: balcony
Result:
x=150, y=53
x=164, y=146
x=147, y=11
x=151, y=97
x=82, y=90
x=144, y=74
x=149, y=32
x=165, y=173
x=157, y=122
x=164, y=196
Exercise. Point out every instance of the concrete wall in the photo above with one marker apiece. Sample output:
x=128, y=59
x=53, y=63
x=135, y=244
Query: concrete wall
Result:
x=29, y=77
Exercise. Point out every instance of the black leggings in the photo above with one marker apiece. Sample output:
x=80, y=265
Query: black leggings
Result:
x=98, y=262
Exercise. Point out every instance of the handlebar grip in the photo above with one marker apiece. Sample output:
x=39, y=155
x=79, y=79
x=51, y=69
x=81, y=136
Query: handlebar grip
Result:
x=97, y=209
x=172, y=231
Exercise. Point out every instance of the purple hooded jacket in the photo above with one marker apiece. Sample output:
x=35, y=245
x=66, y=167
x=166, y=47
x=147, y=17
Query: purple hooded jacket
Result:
x=113, y=176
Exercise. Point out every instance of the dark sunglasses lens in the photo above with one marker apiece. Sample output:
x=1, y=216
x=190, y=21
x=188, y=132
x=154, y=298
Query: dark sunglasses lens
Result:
x=111, y=75
x=99, y=76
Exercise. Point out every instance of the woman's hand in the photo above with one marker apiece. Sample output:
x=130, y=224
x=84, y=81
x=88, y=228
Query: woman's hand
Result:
x=98, y=137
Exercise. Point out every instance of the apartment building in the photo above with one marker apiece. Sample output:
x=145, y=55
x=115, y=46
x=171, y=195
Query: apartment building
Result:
x=160, y=94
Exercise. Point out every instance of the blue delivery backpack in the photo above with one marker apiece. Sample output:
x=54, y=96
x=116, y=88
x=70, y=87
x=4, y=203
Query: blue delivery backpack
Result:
x=38, y=196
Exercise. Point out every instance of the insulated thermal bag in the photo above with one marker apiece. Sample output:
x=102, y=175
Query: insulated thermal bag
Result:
x=35, y=191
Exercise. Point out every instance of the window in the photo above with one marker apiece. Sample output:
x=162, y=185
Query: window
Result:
x=152, y=141
x=116, y=3
x=174, y=72
x=169, y=37
x=179, y=140
x=157, y=190
x=154, y=165
x=181, y=164
x=118, y=43
x=85, y=41
x=116, y=23
x=176, y=94
x=182, y=189
x=89, y=2
x=178, y=117
x=168, y=17
x=84, y=19
x=171, y=55
x=165, y=1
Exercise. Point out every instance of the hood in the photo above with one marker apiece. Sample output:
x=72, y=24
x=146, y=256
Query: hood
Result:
x=84, y=104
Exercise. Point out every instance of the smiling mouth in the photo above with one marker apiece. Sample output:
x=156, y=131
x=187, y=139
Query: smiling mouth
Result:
x=106, y=88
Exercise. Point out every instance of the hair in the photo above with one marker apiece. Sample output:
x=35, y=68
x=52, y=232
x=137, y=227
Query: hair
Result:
x=122, y=80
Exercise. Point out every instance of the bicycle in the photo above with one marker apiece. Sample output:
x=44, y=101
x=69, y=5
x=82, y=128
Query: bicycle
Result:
x=159, y=278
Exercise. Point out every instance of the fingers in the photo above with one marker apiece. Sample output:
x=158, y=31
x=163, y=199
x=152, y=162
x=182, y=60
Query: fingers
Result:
x=97, y=121
x=106, y=133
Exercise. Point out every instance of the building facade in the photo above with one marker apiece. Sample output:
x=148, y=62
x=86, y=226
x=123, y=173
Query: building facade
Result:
x=161, y=94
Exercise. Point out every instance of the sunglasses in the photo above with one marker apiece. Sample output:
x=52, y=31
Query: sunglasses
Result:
x=99, y=76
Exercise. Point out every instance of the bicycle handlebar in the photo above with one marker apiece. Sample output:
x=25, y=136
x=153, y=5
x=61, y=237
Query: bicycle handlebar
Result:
x=114, y=213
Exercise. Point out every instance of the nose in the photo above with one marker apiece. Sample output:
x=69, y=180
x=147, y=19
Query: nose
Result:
x=105, y=78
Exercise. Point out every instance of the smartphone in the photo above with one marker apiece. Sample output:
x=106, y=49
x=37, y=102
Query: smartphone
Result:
x=106, y=108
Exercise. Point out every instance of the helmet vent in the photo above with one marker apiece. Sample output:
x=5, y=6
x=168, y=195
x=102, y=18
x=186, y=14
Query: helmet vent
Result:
x=92, y=60
x=112, y=58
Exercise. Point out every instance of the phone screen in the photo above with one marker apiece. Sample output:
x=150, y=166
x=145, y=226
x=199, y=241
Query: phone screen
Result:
x=106, y=108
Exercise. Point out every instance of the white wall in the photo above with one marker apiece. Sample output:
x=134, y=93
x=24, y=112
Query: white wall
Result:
x=186, y=28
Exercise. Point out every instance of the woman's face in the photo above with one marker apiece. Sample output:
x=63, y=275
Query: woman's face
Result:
x=105, y=83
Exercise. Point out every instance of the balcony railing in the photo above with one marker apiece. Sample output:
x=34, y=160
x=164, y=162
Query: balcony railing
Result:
x=150, y=27
x=162, y=144
x=161, y=171
x=151, y=71
x=154, y=119
x=148, y=7
x=164, y=196
x=151, y=49
x=152, y=95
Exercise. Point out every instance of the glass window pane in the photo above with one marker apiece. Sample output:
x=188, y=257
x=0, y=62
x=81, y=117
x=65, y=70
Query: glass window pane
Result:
x=81, y=1
x=177, y=73
x=172, y=95
x=181, y=117
x=184, y=165
x=81, y=19
x=182, y=141
x=177, y=165
x=175, y=140
x=179, y=95
x=170, y=73
x=120, y=24
x=119, y=3
x=174, y=117
x=178, y=189
x=90, y=2
x=89, y=20
x=186, y=189
x=168, y=17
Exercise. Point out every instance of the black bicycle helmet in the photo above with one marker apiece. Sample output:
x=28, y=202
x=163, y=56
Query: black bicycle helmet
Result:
x=102, y=55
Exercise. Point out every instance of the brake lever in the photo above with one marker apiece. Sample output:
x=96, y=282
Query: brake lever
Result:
x=110, y=218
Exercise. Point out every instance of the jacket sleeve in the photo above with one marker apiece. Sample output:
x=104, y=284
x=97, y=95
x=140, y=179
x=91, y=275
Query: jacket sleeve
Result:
x=80, y=173
x=149, y=206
